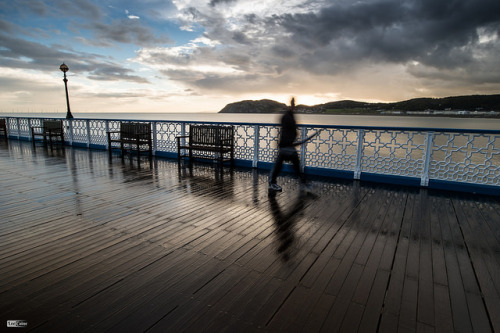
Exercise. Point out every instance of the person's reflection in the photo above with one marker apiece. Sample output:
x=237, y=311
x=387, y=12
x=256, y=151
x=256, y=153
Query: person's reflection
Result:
x=284, y=222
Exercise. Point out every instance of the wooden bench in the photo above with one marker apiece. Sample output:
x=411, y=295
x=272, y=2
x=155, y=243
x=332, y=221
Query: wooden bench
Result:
x=216, y=139
x=132, y=136
x=50, y=129
x=3, y=128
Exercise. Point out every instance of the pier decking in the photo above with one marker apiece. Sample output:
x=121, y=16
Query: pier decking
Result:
x=92, y=245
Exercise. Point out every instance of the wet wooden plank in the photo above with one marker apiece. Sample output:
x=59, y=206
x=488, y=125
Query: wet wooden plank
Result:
x=340, y=307
x=393, y=298
x=88, y=244
x=443, y=314
x=374, y=303
x=481, y=246
x=52, y=294
x=425, y=308
x=458, y=300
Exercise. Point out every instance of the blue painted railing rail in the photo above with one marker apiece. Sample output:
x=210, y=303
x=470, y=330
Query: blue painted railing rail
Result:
x=458, y=159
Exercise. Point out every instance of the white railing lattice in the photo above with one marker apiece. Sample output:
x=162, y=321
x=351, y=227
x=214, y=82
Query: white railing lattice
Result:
x=425, y=154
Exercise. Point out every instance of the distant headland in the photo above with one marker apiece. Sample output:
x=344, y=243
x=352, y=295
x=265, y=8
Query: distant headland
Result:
x=460, y=106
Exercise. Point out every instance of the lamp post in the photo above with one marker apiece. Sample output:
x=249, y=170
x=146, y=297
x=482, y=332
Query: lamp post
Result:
x=64, y=68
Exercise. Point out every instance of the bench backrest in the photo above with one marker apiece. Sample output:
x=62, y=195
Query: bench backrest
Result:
x=211, y=135
x=129, y=130
x=3, y=127
x=53, y=126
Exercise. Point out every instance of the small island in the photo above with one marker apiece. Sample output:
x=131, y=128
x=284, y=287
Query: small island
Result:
x=455, y=106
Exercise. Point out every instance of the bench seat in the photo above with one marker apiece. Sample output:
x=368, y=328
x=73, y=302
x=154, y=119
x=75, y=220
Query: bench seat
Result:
x=132, y=137
x=3, y=128
x=216, y=139
x=50, y=129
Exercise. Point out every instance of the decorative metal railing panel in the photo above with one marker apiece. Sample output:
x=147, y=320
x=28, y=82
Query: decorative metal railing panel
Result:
x=24, y=126
x=244, y=142
x=333, y=148
x=395, y=152
x=79, y=133
x=464, y=156
x=268, y=143
x=165, y=135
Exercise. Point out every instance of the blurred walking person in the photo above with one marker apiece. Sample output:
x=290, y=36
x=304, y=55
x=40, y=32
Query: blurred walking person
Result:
x=286, y=148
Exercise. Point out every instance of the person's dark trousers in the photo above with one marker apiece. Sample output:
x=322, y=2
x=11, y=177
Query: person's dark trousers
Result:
x=286, y=154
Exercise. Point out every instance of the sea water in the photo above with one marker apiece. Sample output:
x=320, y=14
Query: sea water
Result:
x=309, y=119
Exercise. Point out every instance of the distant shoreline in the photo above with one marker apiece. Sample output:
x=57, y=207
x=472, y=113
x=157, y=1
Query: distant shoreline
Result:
x=471, y=115
x=179, y=115
x=473, y=106
x=371, y=112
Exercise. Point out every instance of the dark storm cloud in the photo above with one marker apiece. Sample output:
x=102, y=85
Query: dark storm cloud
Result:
x=283, y=51
x=436, y=33
x=318, y=30
x=241, y=38
x=442, y=42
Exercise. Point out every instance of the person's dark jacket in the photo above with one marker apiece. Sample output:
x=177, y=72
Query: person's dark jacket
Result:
x=288, y=130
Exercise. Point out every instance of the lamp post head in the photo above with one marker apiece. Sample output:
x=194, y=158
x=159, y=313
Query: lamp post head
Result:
x=64, y=68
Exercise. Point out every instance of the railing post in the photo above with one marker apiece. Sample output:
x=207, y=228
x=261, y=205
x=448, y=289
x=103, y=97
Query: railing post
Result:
x=106, y=128
x=29, y=129
x=155, y=143
x=18, y=129
x=424, y=179
x=256, y=144
x=359, y=154
x=88, y=133
x=183, y=140
x=303, y=133
x=70, y=129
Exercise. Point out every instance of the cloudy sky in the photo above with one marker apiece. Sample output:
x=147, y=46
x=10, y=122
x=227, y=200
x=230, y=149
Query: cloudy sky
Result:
x=199, y=55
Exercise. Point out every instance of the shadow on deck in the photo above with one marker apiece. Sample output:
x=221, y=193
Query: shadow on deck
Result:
x=89, y=245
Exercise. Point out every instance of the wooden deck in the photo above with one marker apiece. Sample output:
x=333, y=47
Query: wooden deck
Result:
x=89, y=245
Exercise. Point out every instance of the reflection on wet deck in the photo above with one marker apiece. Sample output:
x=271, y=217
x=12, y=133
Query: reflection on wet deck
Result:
x=89, y=245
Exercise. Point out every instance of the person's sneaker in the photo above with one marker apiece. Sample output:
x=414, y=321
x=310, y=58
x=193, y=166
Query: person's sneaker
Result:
x=275, y=187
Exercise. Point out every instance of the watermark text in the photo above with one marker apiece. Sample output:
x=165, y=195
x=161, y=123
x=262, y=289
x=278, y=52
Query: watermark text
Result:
x=17, y=323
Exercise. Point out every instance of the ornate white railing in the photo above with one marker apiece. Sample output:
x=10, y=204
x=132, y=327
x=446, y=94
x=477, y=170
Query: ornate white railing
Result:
x=421, y=156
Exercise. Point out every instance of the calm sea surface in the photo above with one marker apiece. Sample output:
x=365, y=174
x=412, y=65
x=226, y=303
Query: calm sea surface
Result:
x=347, y=120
